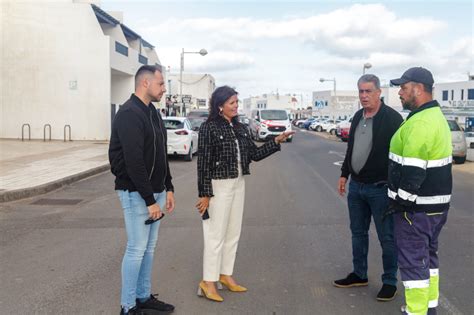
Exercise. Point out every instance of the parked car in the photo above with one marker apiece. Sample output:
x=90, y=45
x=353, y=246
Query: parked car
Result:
x=299, y=122
x=182, y=139
x=308, y=122
x=197, y=117
x=269, y=123
x=243, y=119
x=342, y=124
x=458, y=141
x=328, y=125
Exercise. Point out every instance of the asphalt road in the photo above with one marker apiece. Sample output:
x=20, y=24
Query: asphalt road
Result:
x=65, y=259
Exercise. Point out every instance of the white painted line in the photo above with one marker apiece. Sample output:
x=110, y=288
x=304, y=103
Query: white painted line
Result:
x=338, y=163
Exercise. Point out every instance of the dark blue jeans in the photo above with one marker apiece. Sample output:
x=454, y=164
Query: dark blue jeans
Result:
x=366, y=201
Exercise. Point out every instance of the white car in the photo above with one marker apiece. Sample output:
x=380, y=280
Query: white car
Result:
x=182, y=139
x=328, y=125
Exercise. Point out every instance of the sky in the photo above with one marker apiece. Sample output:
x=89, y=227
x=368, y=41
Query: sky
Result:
x=287, y=46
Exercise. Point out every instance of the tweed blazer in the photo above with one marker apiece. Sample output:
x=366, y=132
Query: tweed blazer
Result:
x=217, y=152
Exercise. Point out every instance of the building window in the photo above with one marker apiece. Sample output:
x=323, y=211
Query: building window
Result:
x=121, y=49
x=452, y=95
x=470, y=94
x=462, y=95
x=142, y=59
x=445, y=95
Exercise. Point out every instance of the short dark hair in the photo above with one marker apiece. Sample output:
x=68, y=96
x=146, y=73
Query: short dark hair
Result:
x=218, y=99
x=144, y=70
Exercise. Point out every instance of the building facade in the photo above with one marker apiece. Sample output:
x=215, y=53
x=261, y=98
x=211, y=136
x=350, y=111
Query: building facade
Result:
x=67, y=64
x=196, y=88
x=456, y=99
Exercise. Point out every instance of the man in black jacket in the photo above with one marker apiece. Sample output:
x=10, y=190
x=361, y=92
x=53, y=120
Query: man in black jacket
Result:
x=366, y=161
x=138, y=159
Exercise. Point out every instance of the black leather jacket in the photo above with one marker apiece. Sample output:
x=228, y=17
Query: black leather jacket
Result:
x=217, y=152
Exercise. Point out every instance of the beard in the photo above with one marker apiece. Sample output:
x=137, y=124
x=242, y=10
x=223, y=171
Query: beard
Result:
x=408, y=104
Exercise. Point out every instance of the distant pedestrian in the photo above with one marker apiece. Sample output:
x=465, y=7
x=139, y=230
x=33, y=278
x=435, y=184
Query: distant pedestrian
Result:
x=366, y=162
x=138, y=159
x=225, y=152
x=420, y=185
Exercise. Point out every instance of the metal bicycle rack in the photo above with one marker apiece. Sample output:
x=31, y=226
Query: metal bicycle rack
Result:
x=23, y=132
x=44, y=132
x=68, y=127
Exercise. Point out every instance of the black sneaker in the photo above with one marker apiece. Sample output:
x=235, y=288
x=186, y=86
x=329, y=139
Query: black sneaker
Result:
x=352, y=280
x=387, y=293
x=154, y=304
x=132, y=311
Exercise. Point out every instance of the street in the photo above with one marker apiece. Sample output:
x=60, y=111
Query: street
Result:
x=61, y=252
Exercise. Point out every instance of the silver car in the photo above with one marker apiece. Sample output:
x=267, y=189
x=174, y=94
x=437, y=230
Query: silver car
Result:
x=459, y=142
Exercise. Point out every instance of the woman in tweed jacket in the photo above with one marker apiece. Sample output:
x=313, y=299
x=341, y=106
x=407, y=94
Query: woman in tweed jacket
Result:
x=225, y=151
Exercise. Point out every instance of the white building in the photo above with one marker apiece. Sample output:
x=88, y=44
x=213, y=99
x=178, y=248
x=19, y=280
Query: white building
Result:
x=66, y=63
x=341, y=104
x=456, y=99
x=197, y=90
x=269, y=101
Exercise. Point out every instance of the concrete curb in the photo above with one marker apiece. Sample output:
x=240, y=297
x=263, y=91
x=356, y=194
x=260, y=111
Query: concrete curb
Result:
x=12, y=195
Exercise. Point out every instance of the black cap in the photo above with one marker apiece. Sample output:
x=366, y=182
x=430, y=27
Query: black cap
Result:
x=416, y=74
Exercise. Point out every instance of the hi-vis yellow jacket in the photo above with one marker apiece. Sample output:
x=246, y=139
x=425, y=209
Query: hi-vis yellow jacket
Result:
x=419, y=171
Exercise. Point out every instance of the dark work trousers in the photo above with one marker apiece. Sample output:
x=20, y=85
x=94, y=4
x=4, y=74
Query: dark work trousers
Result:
x=416, y=236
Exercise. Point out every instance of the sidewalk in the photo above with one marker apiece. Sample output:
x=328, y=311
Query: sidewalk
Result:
x=35, y=167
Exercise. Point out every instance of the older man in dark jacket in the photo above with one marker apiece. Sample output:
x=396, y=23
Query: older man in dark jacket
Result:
x=366, y=161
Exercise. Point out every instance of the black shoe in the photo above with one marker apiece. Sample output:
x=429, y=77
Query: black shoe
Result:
x=352, y=280
x=132, y=311
x=154, y=304
x=387, y=293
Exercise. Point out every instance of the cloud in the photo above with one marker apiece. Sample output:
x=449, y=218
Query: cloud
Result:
x=294, y=51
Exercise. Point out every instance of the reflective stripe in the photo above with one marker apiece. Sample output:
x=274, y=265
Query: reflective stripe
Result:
x=395, y=158
x=424, y=164
x=416, y=284
x=433, y=303
x=392, y=194
x=439, y=163
x=431, y=200
x=434, y=272
x=405, y=195
x=409, y=161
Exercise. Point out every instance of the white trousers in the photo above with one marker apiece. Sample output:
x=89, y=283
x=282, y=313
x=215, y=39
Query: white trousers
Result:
x=222, y=229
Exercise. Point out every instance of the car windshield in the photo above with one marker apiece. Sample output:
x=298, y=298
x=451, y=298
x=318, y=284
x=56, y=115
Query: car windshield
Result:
x=173, y=124
x=196, y=122
x=201, y=113
x=274, y=115
x=453, y=126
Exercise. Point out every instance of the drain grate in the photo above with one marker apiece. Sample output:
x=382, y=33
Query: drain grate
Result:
x=56, y=202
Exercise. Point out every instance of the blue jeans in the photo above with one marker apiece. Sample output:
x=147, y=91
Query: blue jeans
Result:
x=141, y=241
x=366, y=201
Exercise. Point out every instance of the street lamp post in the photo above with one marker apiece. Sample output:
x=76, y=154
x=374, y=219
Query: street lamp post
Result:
x=202, y=52
x=367, y=65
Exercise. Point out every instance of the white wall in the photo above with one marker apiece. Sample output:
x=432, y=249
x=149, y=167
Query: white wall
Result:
x=122, y=86
x=46, y=49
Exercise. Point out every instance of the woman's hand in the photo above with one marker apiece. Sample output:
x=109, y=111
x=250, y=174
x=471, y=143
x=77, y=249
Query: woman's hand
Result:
x=202, y=204
x=283, y=136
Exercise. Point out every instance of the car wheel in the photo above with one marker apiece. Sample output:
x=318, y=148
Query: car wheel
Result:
x=289, y=139
x=333, y=132
x=459, y=159
x=319, y=128
x=189, y=157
